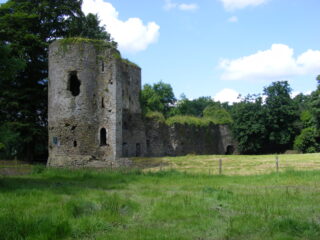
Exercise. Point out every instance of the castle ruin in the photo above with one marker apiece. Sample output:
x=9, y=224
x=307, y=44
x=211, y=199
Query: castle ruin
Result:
x=94, y=112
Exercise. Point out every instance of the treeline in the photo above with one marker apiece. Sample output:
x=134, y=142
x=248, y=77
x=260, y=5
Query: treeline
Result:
x=27, y=27
x=271, y=122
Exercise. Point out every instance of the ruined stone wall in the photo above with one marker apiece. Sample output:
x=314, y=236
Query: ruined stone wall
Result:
x=180, y=139
x=77, y=112
x=133, y=129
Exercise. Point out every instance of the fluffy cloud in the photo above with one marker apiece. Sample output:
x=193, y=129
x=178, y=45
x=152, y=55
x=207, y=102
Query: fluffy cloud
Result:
x=181, y=6
x=276, y=63
x=233, y=19
x=132, y=35
x=227, y=95
x=231, y=5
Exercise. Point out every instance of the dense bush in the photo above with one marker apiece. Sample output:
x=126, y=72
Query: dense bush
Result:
x=306, y=142
x=157, y=116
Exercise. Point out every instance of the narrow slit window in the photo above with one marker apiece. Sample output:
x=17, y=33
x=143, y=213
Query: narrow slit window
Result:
x=103, y=137
x=102, y=102
x=74, y=84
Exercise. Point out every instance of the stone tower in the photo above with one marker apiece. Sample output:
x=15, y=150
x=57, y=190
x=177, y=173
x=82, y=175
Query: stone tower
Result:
x=94, y=113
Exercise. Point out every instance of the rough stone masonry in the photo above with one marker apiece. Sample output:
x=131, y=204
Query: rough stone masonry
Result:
x=94, y=112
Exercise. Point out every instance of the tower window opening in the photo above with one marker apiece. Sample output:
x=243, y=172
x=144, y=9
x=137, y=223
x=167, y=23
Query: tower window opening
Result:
x=74, y=84
x=75, y=144
x=102, y=66
x=103, y=137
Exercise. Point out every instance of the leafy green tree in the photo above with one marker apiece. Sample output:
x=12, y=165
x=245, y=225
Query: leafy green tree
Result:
x=193, y=107
x=281, y=115
x=315, y=105
x=27, y=28
x=249, y=125
x=89, y=27
x=157, y=98
x=217, y=114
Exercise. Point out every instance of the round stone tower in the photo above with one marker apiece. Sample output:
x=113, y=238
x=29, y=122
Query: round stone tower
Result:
x=84, y=111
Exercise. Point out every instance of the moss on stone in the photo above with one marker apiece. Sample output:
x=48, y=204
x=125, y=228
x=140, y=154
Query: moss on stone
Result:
x=99, y=45
x=190, y=120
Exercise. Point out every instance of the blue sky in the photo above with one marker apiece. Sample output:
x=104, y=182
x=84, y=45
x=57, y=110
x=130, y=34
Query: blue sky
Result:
x=217, y=48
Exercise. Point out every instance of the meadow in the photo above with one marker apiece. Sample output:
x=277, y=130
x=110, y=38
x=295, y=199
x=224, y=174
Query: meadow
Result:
x=167, y=198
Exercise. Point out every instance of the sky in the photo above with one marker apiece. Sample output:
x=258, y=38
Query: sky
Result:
x=217, y=48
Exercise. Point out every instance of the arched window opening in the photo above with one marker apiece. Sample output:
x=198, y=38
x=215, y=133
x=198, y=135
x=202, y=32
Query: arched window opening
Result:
x=138, y=149
x=125, y=151
x=103, y=137
x=148, y=145
x=74, y=84
x=75, y=144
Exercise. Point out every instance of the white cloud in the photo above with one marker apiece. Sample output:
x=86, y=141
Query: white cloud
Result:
x=233, y=19
x=227, y=95
x=169, y=5
x=188, y=7
x=132, y=35
x=231, y=5
x=276, y=63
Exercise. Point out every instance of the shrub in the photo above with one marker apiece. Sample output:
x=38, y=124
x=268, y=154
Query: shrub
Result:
x=217, y=114
x=156, y=116
x=306, y=142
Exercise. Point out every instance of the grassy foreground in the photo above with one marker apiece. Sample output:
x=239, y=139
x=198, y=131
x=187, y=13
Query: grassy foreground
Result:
x=170, y=204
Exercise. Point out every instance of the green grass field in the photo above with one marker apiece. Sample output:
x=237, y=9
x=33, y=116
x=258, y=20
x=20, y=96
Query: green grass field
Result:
x=183, y=203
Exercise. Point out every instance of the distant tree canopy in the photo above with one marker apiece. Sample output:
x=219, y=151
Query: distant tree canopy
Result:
x=27, y=28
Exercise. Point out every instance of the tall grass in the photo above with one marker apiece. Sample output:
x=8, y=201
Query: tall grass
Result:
x=87, y=204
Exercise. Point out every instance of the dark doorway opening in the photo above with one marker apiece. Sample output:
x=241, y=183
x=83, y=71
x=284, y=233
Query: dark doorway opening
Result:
x=103, y=137
x=75, y=144
x=230, y=150
x=74, y=84
x=138, y=149
x=125, y=151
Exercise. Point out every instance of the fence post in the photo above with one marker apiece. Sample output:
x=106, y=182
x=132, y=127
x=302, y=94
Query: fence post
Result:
x=220, y=166
x=277, y=163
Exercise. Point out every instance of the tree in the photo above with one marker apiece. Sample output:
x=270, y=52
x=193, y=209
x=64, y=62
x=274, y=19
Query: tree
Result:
x=193, y=107
x=157, y=98
x=89, y=27
x=27, y=28
x=248, y=125
x=281, y=115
